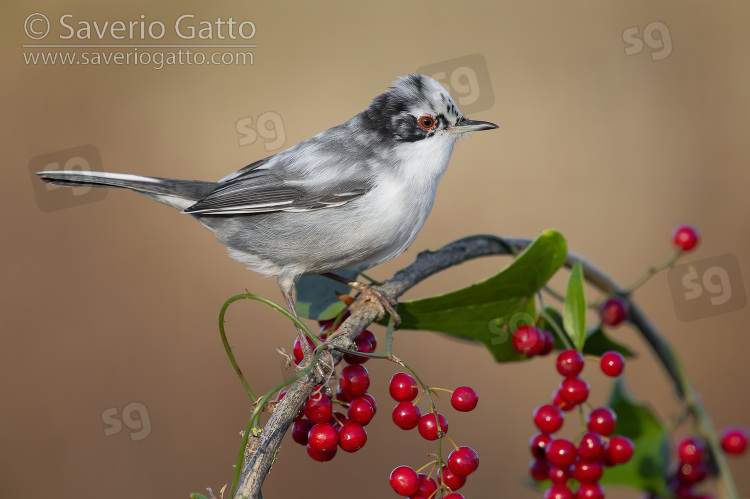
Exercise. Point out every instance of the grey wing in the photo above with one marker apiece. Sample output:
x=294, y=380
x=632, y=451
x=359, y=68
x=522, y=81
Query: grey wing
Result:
x=261, y=191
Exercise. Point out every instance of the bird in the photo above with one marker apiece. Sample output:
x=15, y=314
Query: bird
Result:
x=351, y=197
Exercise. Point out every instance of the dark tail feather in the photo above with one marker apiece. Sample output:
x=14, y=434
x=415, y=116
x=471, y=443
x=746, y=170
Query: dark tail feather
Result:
x=176, y=193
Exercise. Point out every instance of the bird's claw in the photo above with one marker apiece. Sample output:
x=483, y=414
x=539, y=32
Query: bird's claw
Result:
x=382, y=301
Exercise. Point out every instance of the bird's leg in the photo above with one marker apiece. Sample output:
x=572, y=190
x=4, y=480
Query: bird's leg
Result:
x=367, y=293
x=287, y=285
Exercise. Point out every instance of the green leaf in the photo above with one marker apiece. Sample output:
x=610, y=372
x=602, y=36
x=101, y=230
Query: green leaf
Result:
x=648, y=468
x=196, y=495
x=598, y=342
x=316, y=295
x=574, y=313
x=491, y=310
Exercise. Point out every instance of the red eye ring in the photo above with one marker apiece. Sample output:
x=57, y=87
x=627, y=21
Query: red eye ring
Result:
x=427, y=123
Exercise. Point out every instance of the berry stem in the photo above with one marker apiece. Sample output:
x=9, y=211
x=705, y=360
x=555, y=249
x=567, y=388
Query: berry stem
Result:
x=451, y=441
x=652, y=272
x=431, y=463
x=440, y=389
x=554, y=293
x=228, y=349
x=551, y=322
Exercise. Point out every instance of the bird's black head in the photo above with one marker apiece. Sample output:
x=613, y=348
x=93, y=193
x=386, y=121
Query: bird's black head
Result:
x=415, y=108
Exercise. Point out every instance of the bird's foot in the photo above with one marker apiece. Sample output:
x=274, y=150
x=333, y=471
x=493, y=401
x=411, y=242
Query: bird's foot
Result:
x=382, y=301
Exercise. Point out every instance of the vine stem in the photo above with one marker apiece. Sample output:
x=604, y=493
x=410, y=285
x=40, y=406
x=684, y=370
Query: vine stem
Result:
x=228, y=349
x=260, y=455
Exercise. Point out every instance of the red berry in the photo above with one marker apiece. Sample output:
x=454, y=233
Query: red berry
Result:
x=613, y=311
x=690, y=450
x=300, y=430
x=364, y=346
x=560, y=453
x=559, y=475
x=464, y=399
x=548, y=418
x=558, y=401
x=318, y=408
x=463, y=461
x=323, y=437
x=574, y=390
x=588, y=472
x=404, y=481
x=590, y=491
x=685, y=237
x=426, y=487
x=403, y=387
x=538, y=443
x=361, y=411
x=406, y=415
x=341, y=395
x=602, y=421
x=619, y=450
x=319, y=455
x=612, y=363
x=455, y=482
x=454, y=495
x=352, y=437
x=539, y=469
x=549, y=343
x=591, y=447
x=354, y=380
x=372, y=402
x=369, y=336
x=570, y=363
x=428, y=427
x=528, y=340
x=734, y=439
x=297, y=350
x=691, y=473
x=559, y=491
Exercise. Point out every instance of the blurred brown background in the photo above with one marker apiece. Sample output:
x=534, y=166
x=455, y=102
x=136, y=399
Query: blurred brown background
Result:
x=110, y=302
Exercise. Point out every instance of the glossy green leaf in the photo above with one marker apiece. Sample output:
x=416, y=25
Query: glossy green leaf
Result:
x=648, y=468
x=491, y=310
x=574, y=313
x=598, y=342
x=316, y=295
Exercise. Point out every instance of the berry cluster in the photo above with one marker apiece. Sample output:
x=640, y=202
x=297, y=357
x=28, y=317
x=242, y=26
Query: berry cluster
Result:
x=318, y=426
x=462, y=461
x=532, y=341
x=561, y=460
x=692, y=461
x=691, y=468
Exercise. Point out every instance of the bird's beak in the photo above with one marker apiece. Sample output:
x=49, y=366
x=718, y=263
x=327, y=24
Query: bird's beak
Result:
x=465, y=125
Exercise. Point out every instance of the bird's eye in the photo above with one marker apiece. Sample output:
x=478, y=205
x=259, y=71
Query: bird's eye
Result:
x=426, y=123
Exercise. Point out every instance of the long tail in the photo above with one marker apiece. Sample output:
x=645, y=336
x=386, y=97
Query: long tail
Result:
x=178, y=194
